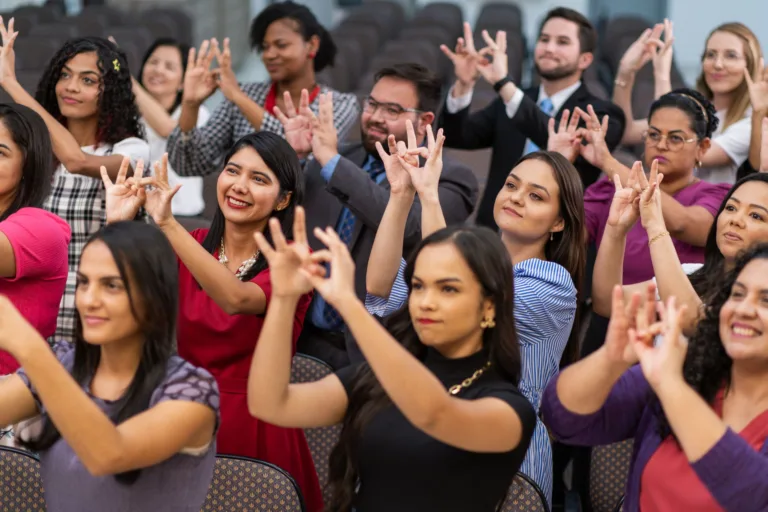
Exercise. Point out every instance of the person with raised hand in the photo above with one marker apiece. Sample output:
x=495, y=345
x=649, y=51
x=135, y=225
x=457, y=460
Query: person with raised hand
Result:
x=85, y=99
x=349, y=185
x=159, y=91
x=116, y=417
x=294, y=47
x=225, y=288
x=516, y=122
x=758, y=144
x=695, y=407
x=468, y=426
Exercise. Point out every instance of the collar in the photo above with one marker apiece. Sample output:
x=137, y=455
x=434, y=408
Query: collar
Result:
x=560, y=97
x=271, y=100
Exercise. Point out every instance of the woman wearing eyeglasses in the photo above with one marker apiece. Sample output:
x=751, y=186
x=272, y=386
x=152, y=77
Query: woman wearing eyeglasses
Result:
x=680, y=127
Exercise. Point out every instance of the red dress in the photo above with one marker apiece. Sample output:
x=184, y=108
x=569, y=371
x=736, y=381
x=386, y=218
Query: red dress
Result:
x=223, y=344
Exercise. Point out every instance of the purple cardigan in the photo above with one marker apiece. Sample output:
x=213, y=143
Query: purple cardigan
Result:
x=735, y=474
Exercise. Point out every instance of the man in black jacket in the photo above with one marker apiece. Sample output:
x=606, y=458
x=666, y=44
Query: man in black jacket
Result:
x=515, y=123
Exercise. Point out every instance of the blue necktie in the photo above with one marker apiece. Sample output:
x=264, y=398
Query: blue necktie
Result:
x=331, y=320
x=548, y=108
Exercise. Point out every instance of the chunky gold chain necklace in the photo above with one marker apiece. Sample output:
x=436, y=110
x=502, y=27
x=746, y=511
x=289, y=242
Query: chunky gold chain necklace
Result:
x=244, y=267
x=456, y=388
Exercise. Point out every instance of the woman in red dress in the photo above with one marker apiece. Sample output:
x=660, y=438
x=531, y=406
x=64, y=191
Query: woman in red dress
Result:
x=224, y=286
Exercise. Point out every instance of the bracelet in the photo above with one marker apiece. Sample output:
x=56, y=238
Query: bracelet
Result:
x=501, y=83
x=620, y=83
x=657, y=237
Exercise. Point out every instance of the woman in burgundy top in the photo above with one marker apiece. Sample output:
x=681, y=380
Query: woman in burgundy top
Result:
x=224, y=286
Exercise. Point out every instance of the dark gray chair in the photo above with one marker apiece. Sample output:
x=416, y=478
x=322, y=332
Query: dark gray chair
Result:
x=61, y=31
x=501, y=13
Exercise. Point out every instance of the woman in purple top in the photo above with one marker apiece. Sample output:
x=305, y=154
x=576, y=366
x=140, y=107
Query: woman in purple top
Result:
x=697, y=410
x=680, y=125
x=125, y=424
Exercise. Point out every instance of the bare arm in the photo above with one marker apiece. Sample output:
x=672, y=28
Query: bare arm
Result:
x=153, y=112
x=16, y=401
x=7, y=258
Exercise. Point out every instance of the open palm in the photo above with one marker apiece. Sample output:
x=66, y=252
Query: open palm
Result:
x=297, y=124
x=7, y=54
x=758, y=89
x=596, y=150
x=624, y=210
x=199, y=80
x=122, y=199
x=465, y=58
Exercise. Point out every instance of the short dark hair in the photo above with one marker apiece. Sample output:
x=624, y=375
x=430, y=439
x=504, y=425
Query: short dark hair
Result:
x=29, y=132
x=308, y=27
x=428, y=85
x=587, y=32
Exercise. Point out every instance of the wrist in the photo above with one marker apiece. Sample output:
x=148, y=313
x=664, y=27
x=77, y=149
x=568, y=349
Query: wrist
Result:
x=613, y=369
x=403, y=194
x=346, y=304
x=655, y=230
x=168, y=224
x=462, y=88
x=617, y=233
x=324, y=155
x=30, y=349
x=191, y=103
x=284, y=299
x=671, y=387
x=625, y=73
x=429, y=198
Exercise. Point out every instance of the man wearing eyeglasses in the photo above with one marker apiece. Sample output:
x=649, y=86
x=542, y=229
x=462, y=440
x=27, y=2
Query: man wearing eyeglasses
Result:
x=347, y=187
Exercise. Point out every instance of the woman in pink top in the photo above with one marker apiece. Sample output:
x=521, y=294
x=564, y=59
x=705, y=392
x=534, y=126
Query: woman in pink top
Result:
x=33, y=242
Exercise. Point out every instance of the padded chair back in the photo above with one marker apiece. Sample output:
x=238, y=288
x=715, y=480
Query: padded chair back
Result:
x=501, y=13
x=321, y=440
x=524, y=496
x=240, y=483
x=608, y=474
x=21, y=486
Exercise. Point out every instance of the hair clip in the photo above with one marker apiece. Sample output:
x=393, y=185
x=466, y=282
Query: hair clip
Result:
x=116, y=64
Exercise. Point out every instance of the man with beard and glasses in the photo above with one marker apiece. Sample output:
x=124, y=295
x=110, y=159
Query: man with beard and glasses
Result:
x=515, y=123
x=348, y=189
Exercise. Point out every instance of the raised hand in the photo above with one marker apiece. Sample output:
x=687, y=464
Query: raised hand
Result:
x=297, y=123
x=758, y=89
x=625, y=209
x=567, y=139
x=495, y=66
x=224, y=76
x=650, y=199
x=158, y=193
x=662, y=53
x=641, y=51
x=7, y=54
x=663, y=363
x=325, y=139
x=465, y=58
x=399, y=155
x=339, y=287
x=596, y=151
x=764, y=148
x=123, y=200
x=425, y=180
x=629, y=322
x=285, y=260
x=199, y=80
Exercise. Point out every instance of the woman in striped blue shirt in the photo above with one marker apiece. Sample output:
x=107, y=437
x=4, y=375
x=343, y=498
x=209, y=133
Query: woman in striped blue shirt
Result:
x=540, y=214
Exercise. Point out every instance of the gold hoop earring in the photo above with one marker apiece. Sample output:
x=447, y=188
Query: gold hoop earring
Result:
x=487, y=323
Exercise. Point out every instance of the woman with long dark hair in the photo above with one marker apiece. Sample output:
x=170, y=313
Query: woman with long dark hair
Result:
x=124, y=420
x=697, y=409
x=224, y=286
x=33, y=242
x=159, y=91
x=294, y=47
x=540, y=214
x=433, y=420
x=85, y=99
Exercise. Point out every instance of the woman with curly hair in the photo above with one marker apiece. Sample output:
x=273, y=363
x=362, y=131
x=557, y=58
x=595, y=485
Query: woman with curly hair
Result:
x=86, y=101
x=698, y=410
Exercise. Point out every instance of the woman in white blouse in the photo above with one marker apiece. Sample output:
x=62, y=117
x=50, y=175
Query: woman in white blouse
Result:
x=731, y=52
x=158, y=96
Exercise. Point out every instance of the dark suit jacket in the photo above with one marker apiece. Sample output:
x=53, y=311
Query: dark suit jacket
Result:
x=352, y=187
x=492, y=128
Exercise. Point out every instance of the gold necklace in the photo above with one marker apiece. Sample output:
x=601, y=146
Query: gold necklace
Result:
x=456, y=388
x=244, y=267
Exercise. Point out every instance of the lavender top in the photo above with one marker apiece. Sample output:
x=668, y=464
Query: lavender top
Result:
x=637, y=257
x=178, y=484
x=732, y=470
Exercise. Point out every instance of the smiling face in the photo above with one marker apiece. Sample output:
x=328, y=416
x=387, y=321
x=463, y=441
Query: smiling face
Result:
x=247, y=190
x=447, y=302
x=11, y=165
x=102, y=299
x=79, y=87
x=744, y=220
x=284, y=51
x=527, y=207
x=163, y=72
x=744, y=316
x=724, y=62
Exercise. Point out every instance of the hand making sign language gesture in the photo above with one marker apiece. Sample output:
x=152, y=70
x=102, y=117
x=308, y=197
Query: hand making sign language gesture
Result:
x=199, y=81
x=297, y=123
x=325, y=139
x=224, y=76
x=7, y=54
x=425, y=179
x=567, y=139
x=395, y=160
x=465, y=60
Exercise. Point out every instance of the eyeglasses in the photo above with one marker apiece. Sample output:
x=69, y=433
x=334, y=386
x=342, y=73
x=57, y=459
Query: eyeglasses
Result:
x=730, y=58
x=389, y=111
x=675, y=142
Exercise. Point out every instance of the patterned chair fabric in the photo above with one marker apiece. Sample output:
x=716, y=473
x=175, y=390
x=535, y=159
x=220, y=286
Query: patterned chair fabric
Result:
x=21, y=486
x=524, y=496
x=321, y=440
x=243, y=484
x=608, y=474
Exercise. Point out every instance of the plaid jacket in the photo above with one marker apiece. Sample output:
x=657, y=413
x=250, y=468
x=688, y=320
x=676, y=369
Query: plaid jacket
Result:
x=199, y=152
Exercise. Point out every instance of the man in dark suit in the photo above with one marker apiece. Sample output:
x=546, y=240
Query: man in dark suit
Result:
x=515, y=123
x=348, y=189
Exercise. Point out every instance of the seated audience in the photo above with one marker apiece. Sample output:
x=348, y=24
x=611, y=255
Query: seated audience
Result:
x=294, y=46
x=122, y=419
x=695, y=408
x=515, y=123
x=224, y=286
x=457, y=443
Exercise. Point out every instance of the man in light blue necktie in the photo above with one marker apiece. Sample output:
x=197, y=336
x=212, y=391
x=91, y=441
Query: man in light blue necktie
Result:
x=546, y=106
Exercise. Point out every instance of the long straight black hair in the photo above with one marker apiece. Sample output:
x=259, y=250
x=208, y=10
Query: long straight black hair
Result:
x=281, y=160
x=489, y=261
x=147, y=265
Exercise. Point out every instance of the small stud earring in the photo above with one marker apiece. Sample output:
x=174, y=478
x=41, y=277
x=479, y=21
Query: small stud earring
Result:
x=487, y=323
x=699, y=164
x=551, y=236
